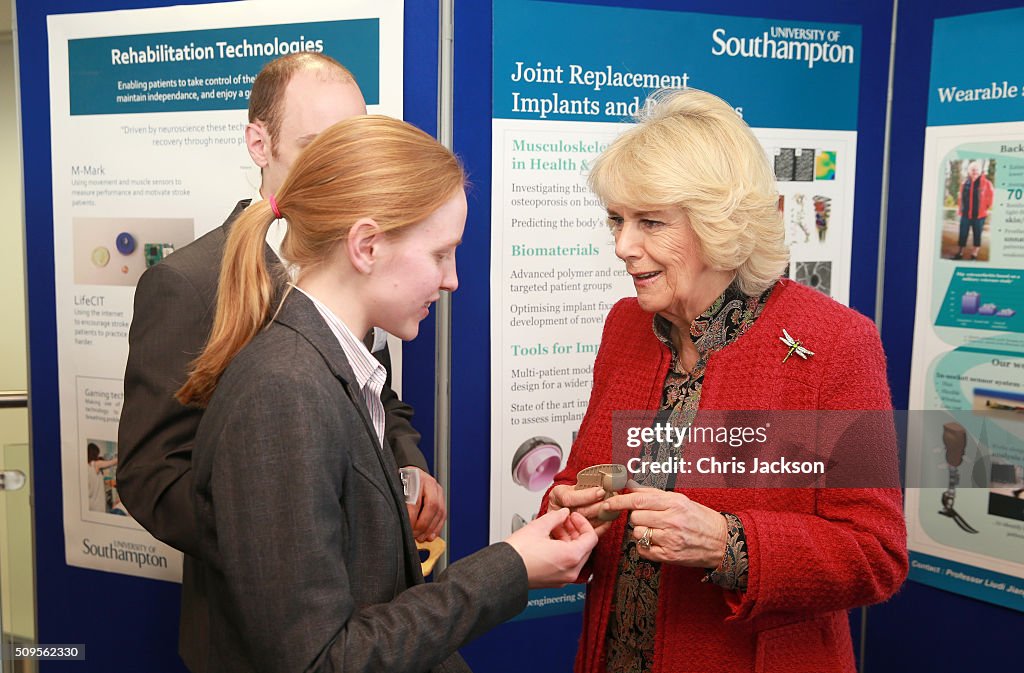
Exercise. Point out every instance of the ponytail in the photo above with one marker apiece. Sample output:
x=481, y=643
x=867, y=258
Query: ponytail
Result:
x=244, y=295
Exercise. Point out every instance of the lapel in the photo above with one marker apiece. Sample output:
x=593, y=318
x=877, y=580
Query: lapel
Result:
x=297, y=312
x=239, y=208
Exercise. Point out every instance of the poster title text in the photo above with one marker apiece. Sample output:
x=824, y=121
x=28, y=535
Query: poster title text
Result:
x=166, y=53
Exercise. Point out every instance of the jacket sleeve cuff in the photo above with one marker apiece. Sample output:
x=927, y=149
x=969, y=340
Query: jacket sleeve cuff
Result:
x=731, y=573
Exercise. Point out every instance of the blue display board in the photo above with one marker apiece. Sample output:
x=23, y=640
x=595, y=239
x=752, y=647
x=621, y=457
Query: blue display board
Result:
x=559, y=98
x=127, y=623
x=131, y=624
x=927, y=628
x=549, y=644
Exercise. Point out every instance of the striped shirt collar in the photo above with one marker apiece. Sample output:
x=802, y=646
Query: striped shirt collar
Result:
x=369, y=372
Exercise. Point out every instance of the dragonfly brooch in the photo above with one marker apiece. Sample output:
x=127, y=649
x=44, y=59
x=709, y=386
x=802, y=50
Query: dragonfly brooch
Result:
x=795, y=346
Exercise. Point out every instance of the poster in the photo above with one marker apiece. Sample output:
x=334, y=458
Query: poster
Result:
x=560, y=97
x=147, y=115
x=966, y=427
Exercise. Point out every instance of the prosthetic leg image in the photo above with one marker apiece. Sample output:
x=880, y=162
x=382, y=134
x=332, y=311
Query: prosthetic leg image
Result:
x=954, y=438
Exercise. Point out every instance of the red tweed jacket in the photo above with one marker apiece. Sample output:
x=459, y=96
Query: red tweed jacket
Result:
x=814, y=553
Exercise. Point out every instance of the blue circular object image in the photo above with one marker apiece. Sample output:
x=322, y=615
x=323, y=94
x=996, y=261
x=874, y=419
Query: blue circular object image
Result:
x=125, y=243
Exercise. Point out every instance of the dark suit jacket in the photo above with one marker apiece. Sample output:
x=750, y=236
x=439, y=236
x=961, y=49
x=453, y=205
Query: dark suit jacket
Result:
x=312, y=564
x=174, y=308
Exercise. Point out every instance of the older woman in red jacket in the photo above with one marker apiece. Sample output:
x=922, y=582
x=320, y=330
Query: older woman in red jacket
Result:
x=973, y=203
x=722, y=579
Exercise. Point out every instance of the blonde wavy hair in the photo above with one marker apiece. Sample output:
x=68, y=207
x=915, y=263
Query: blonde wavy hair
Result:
x=367, y=166
x=691, y=150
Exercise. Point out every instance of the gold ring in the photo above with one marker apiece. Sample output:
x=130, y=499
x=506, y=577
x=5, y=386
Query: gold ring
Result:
x=645, y=539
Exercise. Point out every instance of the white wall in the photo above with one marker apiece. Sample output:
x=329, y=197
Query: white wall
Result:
x=16, y=569
x=12, y=271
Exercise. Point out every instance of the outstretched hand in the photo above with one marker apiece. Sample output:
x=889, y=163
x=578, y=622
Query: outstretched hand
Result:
x=586, y=501
x=554, y=547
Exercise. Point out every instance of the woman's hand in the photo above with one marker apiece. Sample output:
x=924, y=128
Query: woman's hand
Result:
x=586, y=501
x=679, y=530
x=554, y=547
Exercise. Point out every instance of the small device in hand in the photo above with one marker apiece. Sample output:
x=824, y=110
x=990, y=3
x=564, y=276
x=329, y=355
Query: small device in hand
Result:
x=611, y=477
x=410, y=484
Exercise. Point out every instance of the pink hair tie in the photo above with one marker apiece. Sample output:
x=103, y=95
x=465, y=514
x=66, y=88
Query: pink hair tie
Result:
x=273, y=206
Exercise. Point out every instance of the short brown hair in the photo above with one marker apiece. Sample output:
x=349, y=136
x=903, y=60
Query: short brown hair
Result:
x=266, y=100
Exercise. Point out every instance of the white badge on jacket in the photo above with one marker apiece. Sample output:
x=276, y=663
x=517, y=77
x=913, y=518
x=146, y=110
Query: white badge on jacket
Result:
x=380, y=340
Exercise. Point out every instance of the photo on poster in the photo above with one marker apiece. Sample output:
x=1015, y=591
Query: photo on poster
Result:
x=999, y=404
x=534, y=465
x=969, y=473
x=808, y=215
x=99, y=406
x=1006, y=473
x=825, y=165
x=967, y=202
x=116, y=250
x=817, y=275
x=101, y=477
x=822, y=215
x=798, y=220
x=1006, y=497
x=804, y=164
x=536, y=462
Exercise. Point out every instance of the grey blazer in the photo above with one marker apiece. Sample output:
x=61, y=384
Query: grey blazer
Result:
x=174, y=308
x=311, y=561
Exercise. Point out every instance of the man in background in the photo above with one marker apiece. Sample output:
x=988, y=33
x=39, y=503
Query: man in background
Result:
x=293, y=99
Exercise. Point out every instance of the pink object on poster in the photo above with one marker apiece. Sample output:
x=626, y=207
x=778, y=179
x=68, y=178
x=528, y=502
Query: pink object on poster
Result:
x=536, y=463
